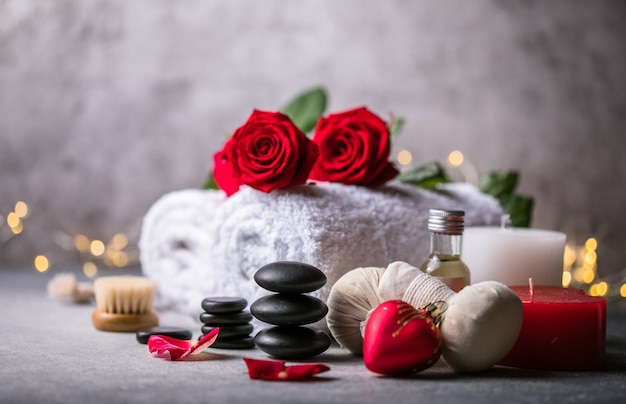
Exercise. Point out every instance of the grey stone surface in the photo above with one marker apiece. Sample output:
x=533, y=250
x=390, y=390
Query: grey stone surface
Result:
x=59, y=357
x=106, y=105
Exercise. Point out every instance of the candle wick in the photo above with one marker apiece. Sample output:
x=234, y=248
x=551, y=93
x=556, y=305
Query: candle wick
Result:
x=505, y=221
x=531, y=288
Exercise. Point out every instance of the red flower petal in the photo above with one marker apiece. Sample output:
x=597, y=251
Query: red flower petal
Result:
x=178, y=349
x=277, y=370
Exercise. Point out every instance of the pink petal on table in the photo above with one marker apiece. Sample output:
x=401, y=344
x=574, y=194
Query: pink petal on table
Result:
x=178, y=349
x=277, y=370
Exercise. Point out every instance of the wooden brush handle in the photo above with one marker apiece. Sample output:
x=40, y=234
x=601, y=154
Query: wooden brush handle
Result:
x=104, y=321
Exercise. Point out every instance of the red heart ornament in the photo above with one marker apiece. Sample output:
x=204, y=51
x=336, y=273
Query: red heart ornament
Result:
x=400, y=339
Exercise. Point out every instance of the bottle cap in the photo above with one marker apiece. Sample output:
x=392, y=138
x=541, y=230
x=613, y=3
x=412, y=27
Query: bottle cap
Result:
x=446, y=221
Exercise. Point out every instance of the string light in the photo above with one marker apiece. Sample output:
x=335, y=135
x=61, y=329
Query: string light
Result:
x=41, y=263
x=457, y=161
x=405, y=157
x=90, y=269
x=118, y=252
x=82, y=243
x=97, y=248
x=455, y=158
x=580, y=270
x=21, y=209
x=13, y=220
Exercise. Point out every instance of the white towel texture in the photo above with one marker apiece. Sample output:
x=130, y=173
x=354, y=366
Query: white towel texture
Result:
x=198, y=243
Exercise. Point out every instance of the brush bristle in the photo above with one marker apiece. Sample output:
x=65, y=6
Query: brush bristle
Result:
x=62, y=285
x=124, y=294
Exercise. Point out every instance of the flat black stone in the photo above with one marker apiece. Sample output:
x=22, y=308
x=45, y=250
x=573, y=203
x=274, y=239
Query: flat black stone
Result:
x=292, y=342
x=229, y=331
x=287, y=309
x=174, y=332
x=241, y=317
x=223, y=304
x=233, y=343
x=289, y=277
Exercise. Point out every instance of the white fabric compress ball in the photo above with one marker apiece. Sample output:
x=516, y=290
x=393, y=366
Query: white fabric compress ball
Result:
x=480, y=326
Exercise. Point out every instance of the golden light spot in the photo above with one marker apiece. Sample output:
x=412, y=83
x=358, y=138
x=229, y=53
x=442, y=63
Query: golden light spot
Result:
x=41, y=263
x=97, y=248
x=81, y=242
x=599, y=289
x=591, y=244
x=567, y=279
x=405, y=157
x=21, y=209
x=120, y=259
x=13, y=220
x=578, y=274
x=455, y=158
x=90, y=269
x=622, y=290
x=588, y=276
x=119, y=241
x=108, y=258
x=591, y=257
x=17, y=229
x=569, y=256
x=603, y=288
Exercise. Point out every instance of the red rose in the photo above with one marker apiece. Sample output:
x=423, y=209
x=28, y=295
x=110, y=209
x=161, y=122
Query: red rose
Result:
x=268, y=152
x=354, y=149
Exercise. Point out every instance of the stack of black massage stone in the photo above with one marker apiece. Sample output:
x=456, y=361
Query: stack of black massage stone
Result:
x=289, y=309
x=229, y=315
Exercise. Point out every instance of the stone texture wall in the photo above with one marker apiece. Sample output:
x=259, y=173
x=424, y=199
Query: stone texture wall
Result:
x=106, y=105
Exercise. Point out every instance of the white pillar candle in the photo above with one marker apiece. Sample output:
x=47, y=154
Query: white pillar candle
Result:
x=512, y=255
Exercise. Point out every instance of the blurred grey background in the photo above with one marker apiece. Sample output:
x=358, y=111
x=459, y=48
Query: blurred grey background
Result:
x=106, y=105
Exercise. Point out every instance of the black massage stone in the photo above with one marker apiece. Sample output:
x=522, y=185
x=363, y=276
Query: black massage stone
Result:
x=246, y=342
x=223, y=304
x=290, y=277
x=242, y=317
x=292, y=342
x=230, y=331
x=174, y=332
x=287, y=309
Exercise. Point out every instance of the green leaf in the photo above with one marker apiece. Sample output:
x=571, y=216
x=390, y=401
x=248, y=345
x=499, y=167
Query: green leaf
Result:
x=520, y=209
x=210, y=182
x=306, y=108
x=395, y=126
x=426, y=176
x=498, y=184
x=501, y=185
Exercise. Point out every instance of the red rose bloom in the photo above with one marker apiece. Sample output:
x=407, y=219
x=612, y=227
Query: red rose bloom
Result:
x=354, y=149
x=268, y=152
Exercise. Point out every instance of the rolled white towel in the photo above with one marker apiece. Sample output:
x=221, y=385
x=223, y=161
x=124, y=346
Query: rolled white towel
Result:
x=175, y=247
x=200, y=243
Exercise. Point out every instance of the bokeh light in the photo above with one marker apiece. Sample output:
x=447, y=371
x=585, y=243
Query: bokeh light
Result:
x=42, y=263
x=21, y=209
x=405, y=157
x=97, y=248
x=13, y=220
x=90, y=269
x=82, y=243
x=119, y=241
x=455, y=158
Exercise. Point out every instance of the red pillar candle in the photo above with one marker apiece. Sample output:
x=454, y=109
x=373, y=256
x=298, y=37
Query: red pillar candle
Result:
x=563, y=329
